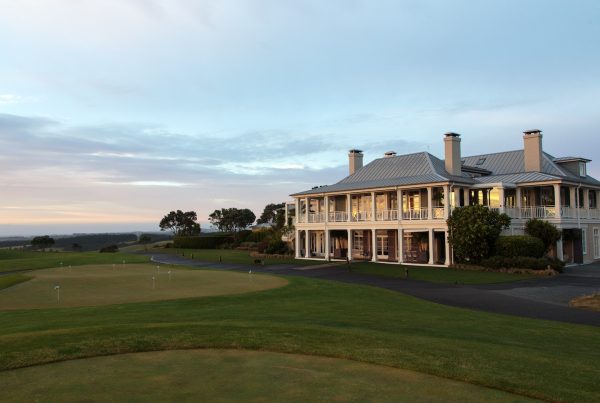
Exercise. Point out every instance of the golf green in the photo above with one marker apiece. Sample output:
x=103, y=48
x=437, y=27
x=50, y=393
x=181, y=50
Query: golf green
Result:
x=117, y=284
x=233, y=375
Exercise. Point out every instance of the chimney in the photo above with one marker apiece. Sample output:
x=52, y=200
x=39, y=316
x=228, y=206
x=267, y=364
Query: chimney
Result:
x=452, y=153
x=532, y=150
x=355, y=159
x=389, y=154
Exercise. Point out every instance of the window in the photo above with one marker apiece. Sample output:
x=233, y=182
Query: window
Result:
x=584, y=241
x=582, y=170
x=593, y=200
x=580, y=201
x=596, y=243
x=480, y=161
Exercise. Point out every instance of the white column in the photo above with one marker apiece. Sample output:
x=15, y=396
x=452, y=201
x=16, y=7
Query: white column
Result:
x=501, y=196
x=447, y=206
x=430, y=245
x=326, y=243
x=373, y=245
x=306, y=244
x=400, y=245
x=349, y=206
x=447, y=248
x=586, y=203
x=559, y=249
x=349, y=253
x=518, y=201
x=573, y=200
x=557, y=200
x=306, y=210
x=429, y=203
x=297, y=243
x=467, y=193
x=399, y=204
x=372, y=206
x=326, y=208
x=456, y=192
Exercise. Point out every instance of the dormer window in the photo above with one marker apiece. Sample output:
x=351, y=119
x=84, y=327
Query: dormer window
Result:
x=582, y=169
x=480, y=161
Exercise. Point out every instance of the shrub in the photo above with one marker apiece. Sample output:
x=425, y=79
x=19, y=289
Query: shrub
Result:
x=109, y=249
x=201, y=242
x=522, y=262
x=262, y=247
x=519, y=245
x=259, y=236
x=277, y=247
x=545, y=231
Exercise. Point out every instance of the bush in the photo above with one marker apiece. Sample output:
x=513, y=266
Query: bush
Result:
x=522, y=262
x=259, y=236
x=519, y=245
x=277, y=247
x=110, y=249
x=545, y=231
x=201, y=242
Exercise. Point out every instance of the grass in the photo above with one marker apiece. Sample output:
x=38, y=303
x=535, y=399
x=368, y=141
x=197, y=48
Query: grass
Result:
x=232, y=375
x=589, y=302
x=436, y=274
x=232, y=256
x=14, y=260
x=12, y=279
x=105, y=284
x=543, y=359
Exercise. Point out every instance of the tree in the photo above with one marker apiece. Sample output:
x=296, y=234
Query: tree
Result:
x=543, y=230
x=76, y=246
x=180, y=223
x=473, y=231
x=42, y=242
x=232, y=219
x=273, y=214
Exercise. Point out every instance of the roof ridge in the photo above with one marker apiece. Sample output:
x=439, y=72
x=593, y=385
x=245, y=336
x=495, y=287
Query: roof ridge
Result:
x=499, y=152
x=428, y=156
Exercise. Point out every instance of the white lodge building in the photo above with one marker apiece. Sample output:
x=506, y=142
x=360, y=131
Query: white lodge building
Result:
x=394, y=209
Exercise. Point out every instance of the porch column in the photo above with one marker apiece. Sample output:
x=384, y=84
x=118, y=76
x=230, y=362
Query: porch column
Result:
x=297, y=210
x=559, y=249
x=326, y=208
x=399, y=203
x=456, y=203
x=429, y=204
x=518, y=201
x=501, y=196
x=326, y=243
x=372, y=206
x=297, y=243
x=349, y=206
x=400, y=245
x=447, y=248
x=586, y=202
x=349, y=253
x=306, y=244
x=572, y=201
x=557, y=200
x=467, y=196
x=430, y=245
x=446, y=202
x=373, y=245
x=306, y=210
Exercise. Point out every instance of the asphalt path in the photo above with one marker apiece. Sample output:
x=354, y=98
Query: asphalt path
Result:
x=543, y=298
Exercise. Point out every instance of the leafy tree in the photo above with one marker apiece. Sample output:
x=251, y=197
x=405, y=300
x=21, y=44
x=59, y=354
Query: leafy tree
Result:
x=273, y=214
x=473, y=231
x=145, y=238
x=543, y=230
x=232, y=219
x=180, y=223
x=42, y=242
x=76, y=246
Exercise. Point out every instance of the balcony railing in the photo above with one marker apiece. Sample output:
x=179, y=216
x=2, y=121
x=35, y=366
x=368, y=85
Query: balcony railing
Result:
x=362, y=216
x=386, y=215
x=568, y=212
x=316, y=217
x=338, y=216
x=415, y=214
x=538, y=212
x=594, y=213
x=437, y=213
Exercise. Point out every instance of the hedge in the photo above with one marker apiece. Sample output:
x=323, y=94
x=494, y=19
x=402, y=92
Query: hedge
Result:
x=522, y=262
x=201, y=242
x=519, y=245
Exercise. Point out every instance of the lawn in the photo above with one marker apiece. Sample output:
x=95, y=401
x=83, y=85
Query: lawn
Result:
x=232, y=375
x=436, y=274
x=108, y=284
x=12, y=279
x=14, y=260
x=231, y=256
x=548, y=360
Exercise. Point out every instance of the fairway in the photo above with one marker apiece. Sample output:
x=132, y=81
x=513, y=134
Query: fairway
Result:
x=233, y=375
x=117, y=284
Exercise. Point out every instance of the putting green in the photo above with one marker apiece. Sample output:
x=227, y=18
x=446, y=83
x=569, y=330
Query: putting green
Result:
x=232, y=375
x=107, y=284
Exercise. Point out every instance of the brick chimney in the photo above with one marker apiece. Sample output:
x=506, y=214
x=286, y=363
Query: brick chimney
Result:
x=532, y=150
x=355, y=160
x=452, y=153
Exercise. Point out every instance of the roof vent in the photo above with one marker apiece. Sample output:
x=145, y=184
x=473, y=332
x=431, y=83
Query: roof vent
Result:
x=532, y=131
x=451, y=134
x=389, y=154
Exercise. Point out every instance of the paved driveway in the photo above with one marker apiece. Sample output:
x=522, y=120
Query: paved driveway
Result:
x=544, y=298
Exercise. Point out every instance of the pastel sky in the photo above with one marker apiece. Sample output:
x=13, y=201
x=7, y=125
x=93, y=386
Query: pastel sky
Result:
x=113, y=112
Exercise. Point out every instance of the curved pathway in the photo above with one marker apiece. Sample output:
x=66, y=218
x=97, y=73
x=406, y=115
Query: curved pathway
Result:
x=543, y=298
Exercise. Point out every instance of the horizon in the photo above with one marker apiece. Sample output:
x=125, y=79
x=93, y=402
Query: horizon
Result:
x=202, y=106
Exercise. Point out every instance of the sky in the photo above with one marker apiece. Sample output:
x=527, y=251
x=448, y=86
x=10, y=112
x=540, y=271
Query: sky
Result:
x=115, y=112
